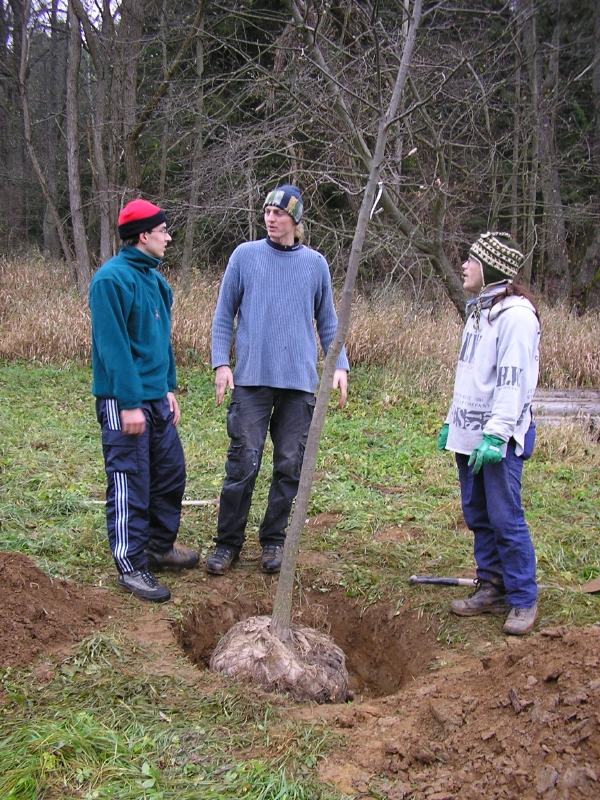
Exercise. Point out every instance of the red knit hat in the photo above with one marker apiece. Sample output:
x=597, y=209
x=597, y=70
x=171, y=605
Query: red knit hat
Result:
x=139, y=216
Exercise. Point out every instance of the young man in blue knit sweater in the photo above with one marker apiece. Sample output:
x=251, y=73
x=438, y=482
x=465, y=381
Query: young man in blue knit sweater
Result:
x=134, y=383
x=275, y=289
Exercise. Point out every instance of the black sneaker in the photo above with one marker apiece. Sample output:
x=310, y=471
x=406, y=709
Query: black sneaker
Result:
x=486, y=599
x=176, y=558
x=143, y=585
x=271, y=557
x=221, y=559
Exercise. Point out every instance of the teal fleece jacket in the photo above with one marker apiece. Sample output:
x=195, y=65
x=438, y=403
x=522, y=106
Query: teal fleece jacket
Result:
x=130, y=305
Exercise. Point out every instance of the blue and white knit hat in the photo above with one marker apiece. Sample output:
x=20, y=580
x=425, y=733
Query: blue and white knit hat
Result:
x=499, y=255
x=288, y=198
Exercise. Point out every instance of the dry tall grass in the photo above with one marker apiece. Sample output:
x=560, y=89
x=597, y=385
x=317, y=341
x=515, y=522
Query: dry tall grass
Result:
x=42, y=318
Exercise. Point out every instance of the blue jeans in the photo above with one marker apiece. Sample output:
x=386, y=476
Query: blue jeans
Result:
x=254, y=410
x=145, y=483
x=491, y=505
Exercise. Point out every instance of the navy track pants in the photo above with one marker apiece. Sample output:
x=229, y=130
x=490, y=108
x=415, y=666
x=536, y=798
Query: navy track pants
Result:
x=145, y=483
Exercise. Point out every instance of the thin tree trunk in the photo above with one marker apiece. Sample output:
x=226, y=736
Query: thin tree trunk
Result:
x=54, y=86
x=586, y=288
x=556, y=273
x=514, y=204
x=192, y=212
x=100, y=49
x=282, y=609
x=23, y=45
x=130, y=46
x=82, y=255
x=530, y=186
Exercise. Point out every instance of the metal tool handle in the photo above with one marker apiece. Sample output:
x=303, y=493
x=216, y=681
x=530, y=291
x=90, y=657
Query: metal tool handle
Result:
x=442, y=581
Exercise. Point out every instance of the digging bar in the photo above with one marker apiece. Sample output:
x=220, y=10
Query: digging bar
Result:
x=442, y=581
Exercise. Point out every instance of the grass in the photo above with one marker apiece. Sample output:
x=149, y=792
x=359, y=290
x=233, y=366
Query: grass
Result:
x=100, y=728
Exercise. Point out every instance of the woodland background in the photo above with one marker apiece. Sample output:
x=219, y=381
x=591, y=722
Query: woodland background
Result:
x=204, y=106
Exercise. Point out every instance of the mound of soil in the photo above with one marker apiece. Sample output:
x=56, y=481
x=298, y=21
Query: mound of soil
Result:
x=40, y=615
x=521, y=724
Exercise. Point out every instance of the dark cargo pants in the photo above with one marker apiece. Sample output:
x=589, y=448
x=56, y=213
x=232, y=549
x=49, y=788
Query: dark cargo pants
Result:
x=254, y=410
x=145, y=483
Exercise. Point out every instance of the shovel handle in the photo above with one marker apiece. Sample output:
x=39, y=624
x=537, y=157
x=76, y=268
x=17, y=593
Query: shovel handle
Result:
x=442, y=581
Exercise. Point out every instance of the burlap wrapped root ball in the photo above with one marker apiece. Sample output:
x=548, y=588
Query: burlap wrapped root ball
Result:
x=309, y=666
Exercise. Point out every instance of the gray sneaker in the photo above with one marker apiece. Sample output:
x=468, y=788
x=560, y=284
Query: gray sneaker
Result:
x=486, y=599
x=520, y=621
x=143, y=585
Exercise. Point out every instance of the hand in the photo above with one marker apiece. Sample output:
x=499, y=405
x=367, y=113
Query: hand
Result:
x=442, y=438
x=133, y=421
x=340, y=381
x=488, y=451
x=174, y=407
x=223, y=379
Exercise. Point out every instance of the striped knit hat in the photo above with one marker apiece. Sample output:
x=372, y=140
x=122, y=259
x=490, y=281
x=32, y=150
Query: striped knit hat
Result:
x=288, y=198
x=499, y=255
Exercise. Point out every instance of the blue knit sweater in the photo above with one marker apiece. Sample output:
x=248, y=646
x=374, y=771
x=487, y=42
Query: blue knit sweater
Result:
x=276, y=294
x=130, y=304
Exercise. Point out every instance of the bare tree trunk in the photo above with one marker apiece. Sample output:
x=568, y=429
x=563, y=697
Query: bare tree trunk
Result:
x=53, y=88
x=100, y=49
x=166, y=124
x=282, y=609
x=22, y=42
x=130, y=48
x=586, y=288
x=530, y=182
x=192, y=212
x=82, y=255
x=516, y=160
x=556, y=274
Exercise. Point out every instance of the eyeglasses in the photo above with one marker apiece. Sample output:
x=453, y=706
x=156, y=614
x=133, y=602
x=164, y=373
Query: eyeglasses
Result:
x=163, y=231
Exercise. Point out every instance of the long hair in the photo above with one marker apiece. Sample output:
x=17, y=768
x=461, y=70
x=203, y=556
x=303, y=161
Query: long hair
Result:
x=513, y=289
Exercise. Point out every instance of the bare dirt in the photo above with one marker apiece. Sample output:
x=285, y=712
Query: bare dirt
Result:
x=521, y=721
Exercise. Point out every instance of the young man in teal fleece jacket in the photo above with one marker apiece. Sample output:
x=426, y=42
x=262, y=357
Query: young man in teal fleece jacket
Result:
x=134, y=382
x=276, y=290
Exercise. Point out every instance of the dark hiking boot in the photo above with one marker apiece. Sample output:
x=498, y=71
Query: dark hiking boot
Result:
x=486, y=599
x=221, y=559
x=143, y=585
x=177, y=558
x=270, y=560
x=520, y=621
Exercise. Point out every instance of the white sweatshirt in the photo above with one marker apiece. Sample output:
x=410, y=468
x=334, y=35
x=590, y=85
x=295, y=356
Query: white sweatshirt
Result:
x=496, y=376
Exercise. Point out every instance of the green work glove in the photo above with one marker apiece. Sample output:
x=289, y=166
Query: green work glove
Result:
x=443, y=437
x=488, y=451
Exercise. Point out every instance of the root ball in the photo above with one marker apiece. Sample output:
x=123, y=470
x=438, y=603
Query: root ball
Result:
x=308, y=666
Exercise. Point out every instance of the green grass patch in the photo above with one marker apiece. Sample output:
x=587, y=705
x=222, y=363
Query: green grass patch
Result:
x=99, y=730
